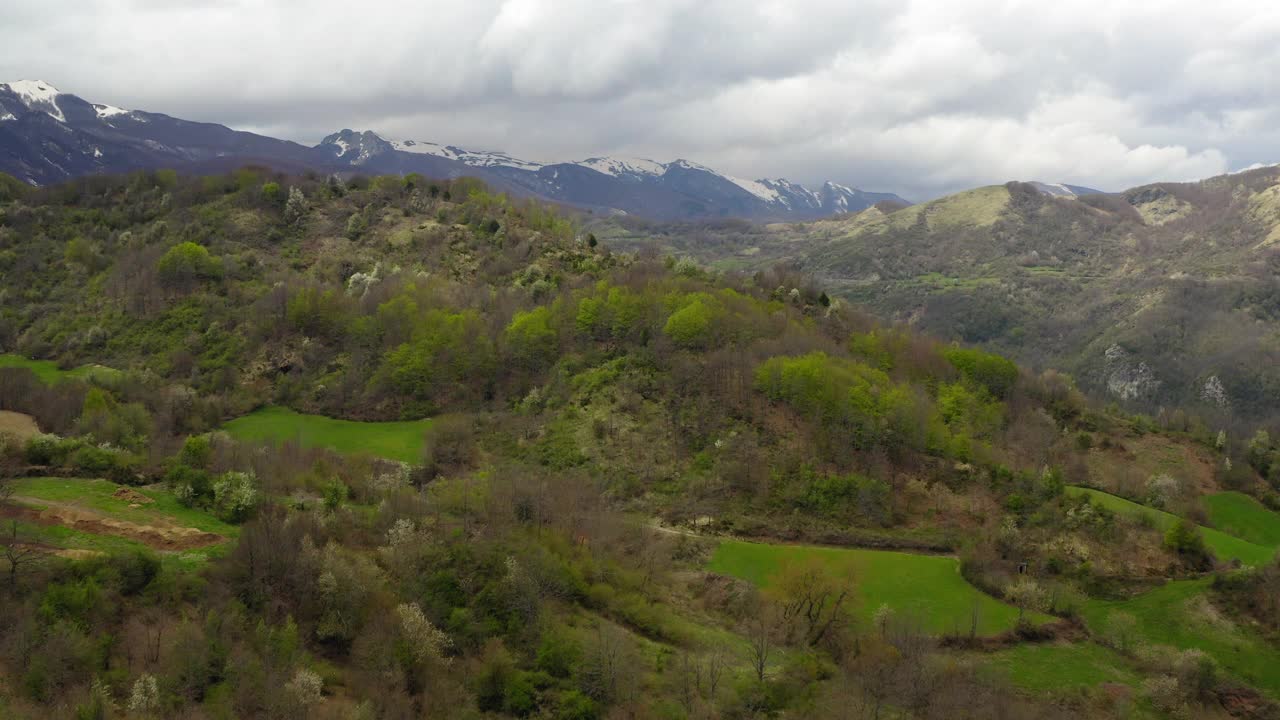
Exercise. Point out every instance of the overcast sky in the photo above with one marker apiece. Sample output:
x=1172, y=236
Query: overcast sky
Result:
x=920, y=98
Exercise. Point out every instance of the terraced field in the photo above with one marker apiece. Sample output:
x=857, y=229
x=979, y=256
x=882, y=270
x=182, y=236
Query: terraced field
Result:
x=925, y=586
x=75, y=517
x=402, y=441
x=1224, y=546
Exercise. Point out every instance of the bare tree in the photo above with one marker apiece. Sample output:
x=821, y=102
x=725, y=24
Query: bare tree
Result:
x=17, y=551
x=762, y=630
x=811, y=597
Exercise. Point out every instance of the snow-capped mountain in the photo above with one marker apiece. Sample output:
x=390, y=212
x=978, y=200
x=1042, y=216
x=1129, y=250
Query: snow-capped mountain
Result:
x=48, y=136
x=675, y=190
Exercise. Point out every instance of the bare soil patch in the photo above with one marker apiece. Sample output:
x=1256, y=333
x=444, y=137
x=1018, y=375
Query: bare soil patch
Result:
x=162, y=536
x=18, y=425
x=131, y=496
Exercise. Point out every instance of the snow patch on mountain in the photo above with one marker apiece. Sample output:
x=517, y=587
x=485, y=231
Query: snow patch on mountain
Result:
x=106, y=111
x=38, y=95
x=757, y=188
x=617, y=167
x=481, y=158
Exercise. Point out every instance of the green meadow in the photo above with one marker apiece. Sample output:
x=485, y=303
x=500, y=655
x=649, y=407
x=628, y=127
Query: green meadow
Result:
x=49, y=372
x=1223, y=545
x=927, y=587
x=403, y=441
x=1243, y=516
x=1180, y=615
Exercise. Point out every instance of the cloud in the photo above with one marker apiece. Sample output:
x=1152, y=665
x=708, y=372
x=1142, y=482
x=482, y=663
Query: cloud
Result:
x=913, y=96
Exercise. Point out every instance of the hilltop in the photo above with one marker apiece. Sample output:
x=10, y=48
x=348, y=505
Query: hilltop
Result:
x=1161, y=296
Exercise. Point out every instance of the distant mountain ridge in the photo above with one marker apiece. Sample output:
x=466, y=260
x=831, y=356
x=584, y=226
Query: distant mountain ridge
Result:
x=48, y=136
x=677, y=189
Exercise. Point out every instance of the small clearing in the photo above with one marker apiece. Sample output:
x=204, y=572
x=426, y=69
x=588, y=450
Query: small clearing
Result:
x=18, y=425
x=160, y=536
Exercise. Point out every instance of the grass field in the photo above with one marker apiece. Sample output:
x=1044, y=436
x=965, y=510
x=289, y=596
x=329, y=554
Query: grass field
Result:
x=1224, y=546
x=96, y=496
x=925, y=586
x=1051, y=667
x=49, y=372
x=403, y=441
x=1243, y=516
x=1179, y=614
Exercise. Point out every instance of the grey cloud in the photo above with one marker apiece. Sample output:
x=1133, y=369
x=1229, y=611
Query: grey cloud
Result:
x=915, y=97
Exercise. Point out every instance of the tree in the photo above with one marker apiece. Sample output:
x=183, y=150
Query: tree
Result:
x=1026, y=594
x=186, y=264
x=691, y=327
x=17, y=551
x=1121, y=631
x=811, y=599
x=1185, y=539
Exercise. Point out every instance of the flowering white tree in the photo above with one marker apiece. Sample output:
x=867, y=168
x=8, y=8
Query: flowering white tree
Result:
x=424, y=640
x=145, y=698
x=305, y=687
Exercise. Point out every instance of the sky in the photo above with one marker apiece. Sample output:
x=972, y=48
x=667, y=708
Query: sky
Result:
x=919, y=98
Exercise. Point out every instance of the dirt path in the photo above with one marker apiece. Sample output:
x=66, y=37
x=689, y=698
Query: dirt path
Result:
x=160, y=536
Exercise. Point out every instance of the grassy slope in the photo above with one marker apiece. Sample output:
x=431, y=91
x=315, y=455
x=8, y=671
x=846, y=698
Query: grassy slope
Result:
x=49, y=372
x=1243, y=516
x=401, y=441
x=96, y=495
x=1179, y=614
x=1047, y=667
x=1224, y=546
x=925, y=585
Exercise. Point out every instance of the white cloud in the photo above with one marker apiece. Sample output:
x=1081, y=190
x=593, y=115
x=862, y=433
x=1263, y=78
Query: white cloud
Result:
x=919, y=97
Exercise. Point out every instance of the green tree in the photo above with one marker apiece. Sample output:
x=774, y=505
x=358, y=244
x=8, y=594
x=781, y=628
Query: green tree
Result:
x=530, y=338
x=186, y=264
x=692, y=326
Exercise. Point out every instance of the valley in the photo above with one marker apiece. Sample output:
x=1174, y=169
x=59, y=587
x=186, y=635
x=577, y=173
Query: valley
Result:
x=416, y=439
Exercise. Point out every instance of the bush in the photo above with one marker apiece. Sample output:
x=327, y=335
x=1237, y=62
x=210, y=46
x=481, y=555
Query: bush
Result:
x=576, y=706
x=235, y=495
x=558, y=654
x=49, y=449
x=1185, y=539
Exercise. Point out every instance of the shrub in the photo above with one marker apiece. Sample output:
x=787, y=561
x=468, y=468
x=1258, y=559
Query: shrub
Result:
x=235, y=495
x=49, y=449
x=558, y=654
x=1185, y=539
x=272, y=193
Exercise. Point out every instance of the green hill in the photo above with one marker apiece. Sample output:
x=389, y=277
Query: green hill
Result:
x=1101, y=287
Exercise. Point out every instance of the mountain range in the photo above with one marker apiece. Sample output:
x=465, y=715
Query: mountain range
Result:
x=47, y=136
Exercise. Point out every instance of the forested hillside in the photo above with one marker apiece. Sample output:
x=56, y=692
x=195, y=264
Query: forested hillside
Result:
x=1162, y=296
x=397, y=448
